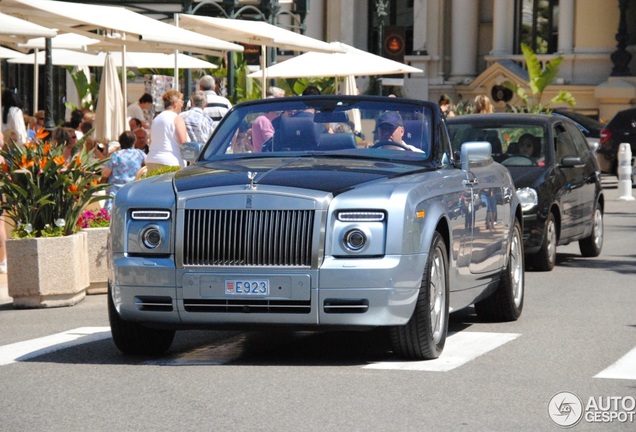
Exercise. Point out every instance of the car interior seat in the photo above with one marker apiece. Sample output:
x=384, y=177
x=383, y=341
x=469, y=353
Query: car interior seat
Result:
x=298, y=133
x=416, y=134
x=337, y=141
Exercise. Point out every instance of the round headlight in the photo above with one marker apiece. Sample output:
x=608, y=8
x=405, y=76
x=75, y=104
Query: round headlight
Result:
x=355, y=240
x=151, y=237
x=528, y=198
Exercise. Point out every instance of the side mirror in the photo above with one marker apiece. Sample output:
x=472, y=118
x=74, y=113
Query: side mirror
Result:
x=572, y=162
x=190, y=150
x=475, y=152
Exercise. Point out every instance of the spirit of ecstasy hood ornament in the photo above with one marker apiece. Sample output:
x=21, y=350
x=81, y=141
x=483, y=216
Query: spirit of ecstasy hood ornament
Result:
x=251, y=176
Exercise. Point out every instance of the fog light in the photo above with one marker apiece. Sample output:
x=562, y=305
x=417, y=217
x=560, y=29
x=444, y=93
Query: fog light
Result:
x=355, y=240
x=151, y=237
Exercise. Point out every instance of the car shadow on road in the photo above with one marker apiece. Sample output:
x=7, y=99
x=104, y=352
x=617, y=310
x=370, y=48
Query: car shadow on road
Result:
x=263, y=348
x=615, y=264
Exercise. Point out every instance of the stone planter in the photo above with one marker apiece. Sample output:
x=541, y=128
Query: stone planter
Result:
x=47, y=272
x=97, y=259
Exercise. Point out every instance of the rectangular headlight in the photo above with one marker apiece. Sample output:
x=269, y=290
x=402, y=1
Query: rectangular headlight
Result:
x=361, y=216
x=150, y=215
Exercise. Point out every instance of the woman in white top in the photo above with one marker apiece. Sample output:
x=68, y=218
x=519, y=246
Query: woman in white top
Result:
x=167, y=133
x=12, y=115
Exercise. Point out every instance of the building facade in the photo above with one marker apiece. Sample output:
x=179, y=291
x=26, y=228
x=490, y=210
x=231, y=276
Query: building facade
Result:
x=469, y=47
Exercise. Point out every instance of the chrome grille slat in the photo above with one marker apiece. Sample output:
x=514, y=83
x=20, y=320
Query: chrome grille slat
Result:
x=248, y=237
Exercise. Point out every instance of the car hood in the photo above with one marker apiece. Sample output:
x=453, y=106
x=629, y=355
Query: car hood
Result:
x=328, y=174
x=527, y=176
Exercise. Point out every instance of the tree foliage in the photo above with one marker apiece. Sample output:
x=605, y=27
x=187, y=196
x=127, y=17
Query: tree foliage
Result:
x=538, y=80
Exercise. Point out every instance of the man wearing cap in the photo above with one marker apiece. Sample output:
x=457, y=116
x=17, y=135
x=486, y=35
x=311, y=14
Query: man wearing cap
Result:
x=390, y=127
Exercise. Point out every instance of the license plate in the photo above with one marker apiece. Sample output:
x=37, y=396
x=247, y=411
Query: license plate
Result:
x=256, y=287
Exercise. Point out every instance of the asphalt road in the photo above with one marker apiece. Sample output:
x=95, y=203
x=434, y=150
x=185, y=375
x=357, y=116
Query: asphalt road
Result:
x=60, y=371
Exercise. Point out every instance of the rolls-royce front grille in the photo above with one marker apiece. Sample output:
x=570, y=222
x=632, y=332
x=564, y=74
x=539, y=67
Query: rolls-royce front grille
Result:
x=248, y=237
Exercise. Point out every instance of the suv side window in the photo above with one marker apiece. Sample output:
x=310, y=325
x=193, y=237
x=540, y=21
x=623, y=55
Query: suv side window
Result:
x=563, y=142
x=580, y=143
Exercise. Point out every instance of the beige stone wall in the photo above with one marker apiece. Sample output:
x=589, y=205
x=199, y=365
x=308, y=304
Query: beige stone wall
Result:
x=595, y=24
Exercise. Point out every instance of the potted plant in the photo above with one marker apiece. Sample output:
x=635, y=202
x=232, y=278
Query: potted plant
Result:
x=44, y=196
x=96, y=223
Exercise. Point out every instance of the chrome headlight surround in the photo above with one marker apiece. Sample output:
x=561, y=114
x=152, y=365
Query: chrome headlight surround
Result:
x=359, y=233
x=149, y=232
x=528, y=198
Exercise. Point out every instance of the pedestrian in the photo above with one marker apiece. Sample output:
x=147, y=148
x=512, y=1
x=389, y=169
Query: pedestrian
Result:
x=483, y=105
x=198, y=125
x=167, y=133
x=13, y=116
x=123, y=166
x=217, y=106
x=137, y=109
x=446, y=106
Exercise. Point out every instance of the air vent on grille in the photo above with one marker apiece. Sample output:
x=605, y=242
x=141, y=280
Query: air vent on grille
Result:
x=248, y=237
x=154, y=303
x=248, y=306
x=346, y=306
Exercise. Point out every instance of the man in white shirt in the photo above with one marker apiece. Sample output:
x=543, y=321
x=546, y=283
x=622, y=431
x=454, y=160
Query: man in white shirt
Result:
x=136, y=109
x=217, y=105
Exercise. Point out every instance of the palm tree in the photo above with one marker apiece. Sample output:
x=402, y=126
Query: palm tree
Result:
x=538, y=80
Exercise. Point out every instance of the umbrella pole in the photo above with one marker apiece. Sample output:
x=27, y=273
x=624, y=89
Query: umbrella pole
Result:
x=36, y=79
x=124, y=82
x=263, y=67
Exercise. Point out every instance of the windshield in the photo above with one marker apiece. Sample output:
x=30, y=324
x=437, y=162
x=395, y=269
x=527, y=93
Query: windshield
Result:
x=349, y=126
x=512, y=144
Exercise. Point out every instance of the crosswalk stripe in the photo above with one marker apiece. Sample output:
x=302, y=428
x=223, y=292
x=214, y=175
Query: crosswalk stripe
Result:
x=460, y=348
x=28, y=349
x=624, y=368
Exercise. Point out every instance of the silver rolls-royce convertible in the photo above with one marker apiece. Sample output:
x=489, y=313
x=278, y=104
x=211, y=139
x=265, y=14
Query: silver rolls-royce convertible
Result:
x=318, y=212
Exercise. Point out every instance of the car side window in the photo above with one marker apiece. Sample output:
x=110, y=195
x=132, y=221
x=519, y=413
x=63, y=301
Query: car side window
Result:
x=580, y=143
x=563, y=142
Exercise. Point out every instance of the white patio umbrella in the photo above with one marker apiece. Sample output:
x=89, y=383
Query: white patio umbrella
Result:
x=351, y=62
x=255, y=33
x=119, y=28
x=15, y=30
x=64, y=57
x=109, y=119
x=351, y=88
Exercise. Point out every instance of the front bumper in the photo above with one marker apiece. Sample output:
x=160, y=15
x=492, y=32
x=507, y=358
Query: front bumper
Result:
x=342, y=292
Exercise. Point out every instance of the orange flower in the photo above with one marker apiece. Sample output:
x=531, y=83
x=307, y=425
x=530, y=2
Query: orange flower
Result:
x=46, y=148
x=73, y=188
x=59, y=159
x=5, y=167
x=43, y=162
x=41, y=133
x=25, y=163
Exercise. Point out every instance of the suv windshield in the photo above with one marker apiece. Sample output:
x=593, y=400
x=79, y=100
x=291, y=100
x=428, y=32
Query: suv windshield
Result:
x=306, y=125
x=516, y=144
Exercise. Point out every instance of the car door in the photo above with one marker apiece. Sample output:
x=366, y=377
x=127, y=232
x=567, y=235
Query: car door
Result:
x=571, y=195
x=587, y=192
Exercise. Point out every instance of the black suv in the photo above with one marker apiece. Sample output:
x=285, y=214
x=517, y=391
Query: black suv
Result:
x=621, y=129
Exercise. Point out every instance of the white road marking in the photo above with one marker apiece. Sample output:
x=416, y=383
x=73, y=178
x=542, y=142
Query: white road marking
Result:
x=624, y=368
x=460, y=348
x=28, y=349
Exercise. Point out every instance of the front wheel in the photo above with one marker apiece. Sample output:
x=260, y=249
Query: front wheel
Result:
x=591, y=246
x=424, y=335
x=506, y=303
x=545, y=259
x=135, y=339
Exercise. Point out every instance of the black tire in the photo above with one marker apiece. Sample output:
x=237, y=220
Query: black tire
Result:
x=506, y=303
x=545, y=259
x=424, y=335
x=591, y=246
x=135, y=339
